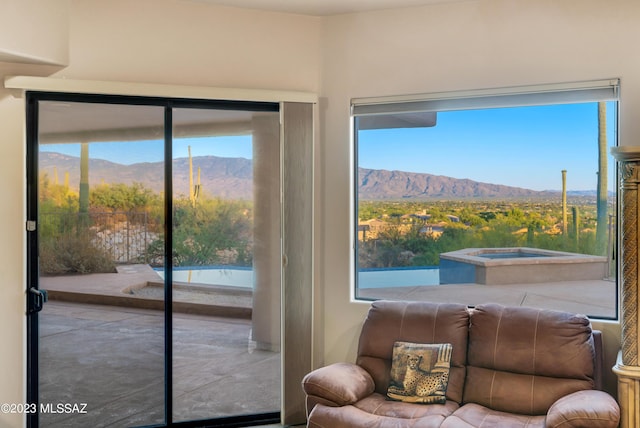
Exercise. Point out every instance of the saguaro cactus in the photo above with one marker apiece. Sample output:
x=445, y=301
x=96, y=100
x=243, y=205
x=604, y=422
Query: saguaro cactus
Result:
x=601, y=226
x=83, y=197
x=576, y=227
x=564, y=203
x=194, y=191
x=84, y=178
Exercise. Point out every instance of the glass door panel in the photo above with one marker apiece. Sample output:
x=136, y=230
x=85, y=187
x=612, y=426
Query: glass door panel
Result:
x=226, y=263
x=106, y=349
x=100, y=233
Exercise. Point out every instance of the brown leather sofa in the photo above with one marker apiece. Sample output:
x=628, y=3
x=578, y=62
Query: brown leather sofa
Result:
x=510, y=367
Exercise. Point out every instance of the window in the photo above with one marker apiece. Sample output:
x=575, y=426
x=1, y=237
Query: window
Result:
x=504, y=195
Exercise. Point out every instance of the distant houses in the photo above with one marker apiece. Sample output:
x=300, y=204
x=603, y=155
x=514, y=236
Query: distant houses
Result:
x=371, y=229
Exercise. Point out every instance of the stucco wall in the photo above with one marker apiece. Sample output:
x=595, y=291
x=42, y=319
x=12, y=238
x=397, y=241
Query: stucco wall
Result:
x=193, y=43
x=12, y=303
x=34, y=31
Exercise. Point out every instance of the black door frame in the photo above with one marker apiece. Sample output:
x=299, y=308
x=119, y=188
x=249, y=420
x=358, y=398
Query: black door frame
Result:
x=34, y=300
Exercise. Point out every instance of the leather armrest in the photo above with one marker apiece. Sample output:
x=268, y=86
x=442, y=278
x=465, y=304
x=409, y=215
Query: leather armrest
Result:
x=588, y=408
x=339, y=383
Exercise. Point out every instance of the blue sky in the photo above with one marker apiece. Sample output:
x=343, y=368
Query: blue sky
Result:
x=153, y=151
x=525, y=146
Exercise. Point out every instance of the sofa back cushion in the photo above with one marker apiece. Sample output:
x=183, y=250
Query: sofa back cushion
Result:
x=419, y=322
x=522, y=360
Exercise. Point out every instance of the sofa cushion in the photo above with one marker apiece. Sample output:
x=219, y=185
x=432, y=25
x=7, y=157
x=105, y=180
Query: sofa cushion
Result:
x=522, y=360
x=476, y=416
x=419, y=372
x=388, y=322
x=514, y=392
x=378, y=412
x=584, y=408
x=337, y=384
x=379, y=405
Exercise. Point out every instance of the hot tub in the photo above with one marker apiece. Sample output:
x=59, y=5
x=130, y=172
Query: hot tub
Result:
x=518, y=265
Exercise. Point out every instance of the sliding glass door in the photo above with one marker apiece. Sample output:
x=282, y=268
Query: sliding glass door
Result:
x=226, y=246
x=154, y=268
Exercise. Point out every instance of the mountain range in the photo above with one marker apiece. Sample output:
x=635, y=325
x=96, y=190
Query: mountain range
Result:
x=382, y=184
x=233, y=178
x=219, y=176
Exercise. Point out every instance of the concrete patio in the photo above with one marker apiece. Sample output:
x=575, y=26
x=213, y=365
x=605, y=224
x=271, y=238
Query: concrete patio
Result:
x=104, y=347
x=112, y=359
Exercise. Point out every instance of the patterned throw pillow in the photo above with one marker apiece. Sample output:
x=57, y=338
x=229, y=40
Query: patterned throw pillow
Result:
x=419, y=372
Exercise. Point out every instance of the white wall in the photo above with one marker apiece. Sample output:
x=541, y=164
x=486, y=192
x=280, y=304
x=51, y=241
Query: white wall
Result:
x=12, y=288
x=184, y=42
x=34, y=31
x=445, y=47
x=151, y=41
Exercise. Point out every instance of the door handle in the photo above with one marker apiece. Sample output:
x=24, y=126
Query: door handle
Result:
x=38, y=299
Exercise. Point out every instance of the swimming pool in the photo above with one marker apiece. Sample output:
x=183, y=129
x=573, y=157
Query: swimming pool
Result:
x=231, y=276
x=398, y=277
x=492, y=266
x=236, y=276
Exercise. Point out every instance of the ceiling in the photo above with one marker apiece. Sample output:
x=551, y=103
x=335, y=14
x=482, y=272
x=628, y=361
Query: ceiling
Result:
x=74, y=122
x=323, y=7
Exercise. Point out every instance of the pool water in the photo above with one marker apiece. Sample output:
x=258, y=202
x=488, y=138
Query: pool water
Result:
x=231, y=276
x=243, y=276
x=398, y=277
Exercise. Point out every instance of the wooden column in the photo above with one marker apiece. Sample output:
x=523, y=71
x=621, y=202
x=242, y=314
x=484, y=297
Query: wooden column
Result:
x=627, y=368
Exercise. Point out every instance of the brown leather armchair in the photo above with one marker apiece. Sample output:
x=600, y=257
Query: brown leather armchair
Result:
x=510, y=367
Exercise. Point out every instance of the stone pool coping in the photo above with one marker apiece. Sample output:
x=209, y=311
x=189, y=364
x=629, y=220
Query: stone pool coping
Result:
x=466, y=265
x=470, y=255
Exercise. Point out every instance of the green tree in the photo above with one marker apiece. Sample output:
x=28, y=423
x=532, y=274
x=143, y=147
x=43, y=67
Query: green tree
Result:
x=123, y=197
x=470, y=217
x=215, y=231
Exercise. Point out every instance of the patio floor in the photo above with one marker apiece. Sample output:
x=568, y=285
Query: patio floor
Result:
x=111, y=356
x=112, y=359
x=595, y=298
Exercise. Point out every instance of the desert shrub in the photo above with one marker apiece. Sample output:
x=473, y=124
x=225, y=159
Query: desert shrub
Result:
x=214, y=232
x=76, y=253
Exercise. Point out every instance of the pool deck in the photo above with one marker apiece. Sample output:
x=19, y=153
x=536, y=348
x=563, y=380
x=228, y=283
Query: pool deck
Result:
x=597, y=298
x=124, y=289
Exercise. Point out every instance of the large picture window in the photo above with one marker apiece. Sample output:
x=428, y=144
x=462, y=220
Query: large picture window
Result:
x=505, y=195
